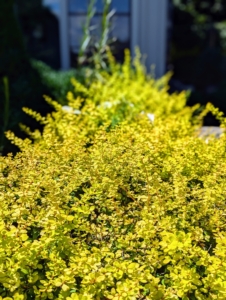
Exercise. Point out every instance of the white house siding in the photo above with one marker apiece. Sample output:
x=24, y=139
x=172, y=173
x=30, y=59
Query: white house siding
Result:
x=149, y=32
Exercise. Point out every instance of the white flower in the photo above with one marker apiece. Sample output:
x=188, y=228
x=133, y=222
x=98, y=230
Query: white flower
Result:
x=107, y=104
x=69, y=109
x=151, y=117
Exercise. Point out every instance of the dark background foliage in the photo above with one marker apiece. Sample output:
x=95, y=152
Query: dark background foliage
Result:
x=26, y=87
x=40, y=31
x=198, y=51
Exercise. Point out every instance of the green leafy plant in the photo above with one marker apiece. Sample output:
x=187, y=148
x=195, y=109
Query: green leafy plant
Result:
x=86, y=33
x=97, y=46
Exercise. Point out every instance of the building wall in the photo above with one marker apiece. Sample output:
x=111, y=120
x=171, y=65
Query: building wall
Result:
x=149, y=32
x=149, y=19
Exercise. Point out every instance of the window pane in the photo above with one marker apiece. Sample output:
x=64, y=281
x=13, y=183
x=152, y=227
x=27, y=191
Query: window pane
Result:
x=78, y=6
x=96, y=27
x=76, y=24
x=99, y=6
x=121, y=6
x=81, y=6
x=120, y=28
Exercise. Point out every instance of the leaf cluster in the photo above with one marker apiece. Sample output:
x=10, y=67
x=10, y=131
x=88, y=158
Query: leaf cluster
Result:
x=106, y=204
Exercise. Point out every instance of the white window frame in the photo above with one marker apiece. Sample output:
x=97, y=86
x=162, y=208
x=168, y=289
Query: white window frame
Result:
x=148, y=32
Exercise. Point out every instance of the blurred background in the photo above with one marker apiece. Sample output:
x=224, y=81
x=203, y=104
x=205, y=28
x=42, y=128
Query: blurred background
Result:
x=197, y=51
x=41, y=45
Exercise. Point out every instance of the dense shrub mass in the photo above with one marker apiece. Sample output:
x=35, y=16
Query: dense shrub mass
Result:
x=108, y=204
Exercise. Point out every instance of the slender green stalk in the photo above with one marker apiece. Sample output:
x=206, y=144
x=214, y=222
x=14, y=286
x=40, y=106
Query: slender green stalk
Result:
x=98, y=48
x=104, y=39
x=86, y=32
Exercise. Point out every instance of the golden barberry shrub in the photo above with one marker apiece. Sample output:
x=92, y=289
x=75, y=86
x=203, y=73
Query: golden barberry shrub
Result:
x=128, y=210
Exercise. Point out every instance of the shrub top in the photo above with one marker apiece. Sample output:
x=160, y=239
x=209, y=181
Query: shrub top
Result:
x=96, y=210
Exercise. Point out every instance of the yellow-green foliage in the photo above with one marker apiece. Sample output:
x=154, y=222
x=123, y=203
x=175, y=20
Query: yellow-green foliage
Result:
x=126, y=211
x=122, y=94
